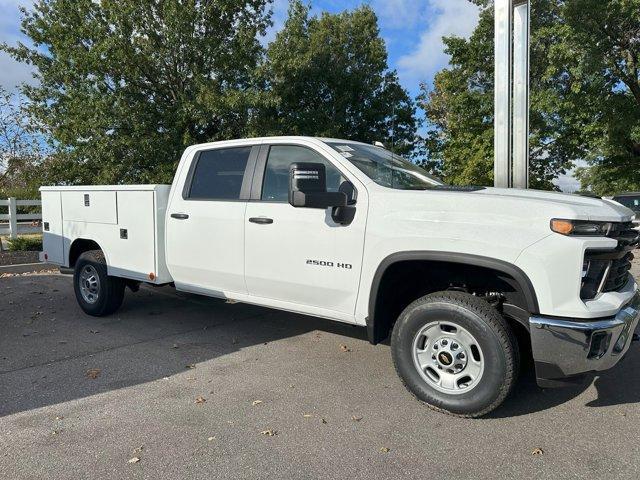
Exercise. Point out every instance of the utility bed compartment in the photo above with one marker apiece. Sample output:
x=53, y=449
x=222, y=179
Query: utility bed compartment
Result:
x=126, y=221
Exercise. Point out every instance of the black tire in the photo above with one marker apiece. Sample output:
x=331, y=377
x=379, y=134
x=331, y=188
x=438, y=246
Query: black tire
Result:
x=496, y=340
x=110, y=291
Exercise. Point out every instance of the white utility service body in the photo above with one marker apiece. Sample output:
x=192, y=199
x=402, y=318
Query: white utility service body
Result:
x=255, y=246
x=106, y=214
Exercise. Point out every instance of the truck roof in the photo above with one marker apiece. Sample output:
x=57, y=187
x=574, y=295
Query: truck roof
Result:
x=279, y=138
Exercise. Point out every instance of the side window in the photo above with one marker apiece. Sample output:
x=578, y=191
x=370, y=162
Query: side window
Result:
x=275, y=186
x=218, y=174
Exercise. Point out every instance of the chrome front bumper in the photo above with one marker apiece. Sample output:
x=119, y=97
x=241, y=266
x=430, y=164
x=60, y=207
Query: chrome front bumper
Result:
x=564, y=349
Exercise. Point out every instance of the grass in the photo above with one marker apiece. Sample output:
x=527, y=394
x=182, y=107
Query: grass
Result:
x=26, y=243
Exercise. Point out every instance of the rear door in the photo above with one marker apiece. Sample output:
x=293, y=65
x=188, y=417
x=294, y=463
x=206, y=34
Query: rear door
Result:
x=206, y=222
x=300, y=255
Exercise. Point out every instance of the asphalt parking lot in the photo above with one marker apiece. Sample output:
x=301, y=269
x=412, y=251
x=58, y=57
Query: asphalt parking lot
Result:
x=178, y=386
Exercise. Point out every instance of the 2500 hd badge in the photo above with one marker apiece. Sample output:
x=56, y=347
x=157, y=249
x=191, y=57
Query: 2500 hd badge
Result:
x=323, y=263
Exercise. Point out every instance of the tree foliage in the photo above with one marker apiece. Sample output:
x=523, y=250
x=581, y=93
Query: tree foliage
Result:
x=328, y=76
x=585, y=96
x=125, y=86
x=22, y=153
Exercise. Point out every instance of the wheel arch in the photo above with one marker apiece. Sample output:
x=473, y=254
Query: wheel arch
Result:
x=81, y=245
x=378, y=327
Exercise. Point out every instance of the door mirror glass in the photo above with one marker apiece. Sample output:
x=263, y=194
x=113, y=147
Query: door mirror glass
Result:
x=349, y=190
x=308, y=187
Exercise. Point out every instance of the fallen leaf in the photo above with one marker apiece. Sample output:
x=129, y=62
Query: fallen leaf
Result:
x=307, y=415
x=191, y=365
x=134, y=460
x=323, y=421
x=537, y=451
x=269, y=433
x=93, y=373
x=344, y=348
x=94, y=331
x=256, y=402
x=356, y=419
x=55, y=432
x=385, y=450
x=211, y=439
x=60, y=417
x=200, y=400
x=138, y=449
x=175, y=345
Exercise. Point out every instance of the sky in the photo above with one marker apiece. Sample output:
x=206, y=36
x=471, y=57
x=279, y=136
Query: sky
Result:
x=412, y=30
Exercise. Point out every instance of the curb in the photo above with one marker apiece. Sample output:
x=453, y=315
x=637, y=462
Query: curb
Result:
x=28, y=268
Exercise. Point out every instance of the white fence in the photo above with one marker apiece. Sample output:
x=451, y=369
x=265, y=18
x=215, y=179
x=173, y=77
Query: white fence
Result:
x=14, y=223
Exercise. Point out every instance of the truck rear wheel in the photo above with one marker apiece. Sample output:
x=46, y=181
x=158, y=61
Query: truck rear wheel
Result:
x=456, y=353
x=97, y=293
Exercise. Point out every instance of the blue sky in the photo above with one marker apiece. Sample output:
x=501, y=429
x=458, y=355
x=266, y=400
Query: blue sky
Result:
x=412, y=30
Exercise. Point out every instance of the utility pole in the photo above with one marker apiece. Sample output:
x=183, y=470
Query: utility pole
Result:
x=511, y=107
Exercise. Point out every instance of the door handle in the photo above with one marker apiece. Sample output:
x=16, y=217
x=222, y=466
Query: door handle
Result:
x=180, y=216
x=261, y=220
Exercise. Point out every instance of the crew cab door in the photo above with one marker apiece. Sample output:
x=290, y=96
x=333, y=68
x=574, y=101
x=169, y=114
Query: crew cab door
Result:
x=300, y=258
x=206, y=221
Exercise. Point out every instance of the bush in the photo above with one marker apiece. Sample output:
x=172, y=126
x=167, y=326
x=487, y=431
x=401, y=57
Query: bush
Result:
x=25, y=244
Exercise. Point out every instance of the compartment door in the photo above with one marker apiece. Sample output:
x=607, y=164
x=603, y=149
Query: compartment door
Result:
x=52, y=235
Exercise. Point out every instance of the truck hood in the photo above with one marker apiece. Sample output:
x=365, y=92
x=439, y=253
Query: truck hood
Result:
x=583, y=207
x=495, y=222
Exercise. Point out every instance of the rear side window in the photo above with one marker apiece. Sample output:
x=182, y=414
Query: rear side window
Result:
x=218, y=174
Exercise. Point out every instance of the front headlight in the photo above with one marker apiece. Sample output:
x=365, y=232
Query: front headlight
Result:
x=580, y=227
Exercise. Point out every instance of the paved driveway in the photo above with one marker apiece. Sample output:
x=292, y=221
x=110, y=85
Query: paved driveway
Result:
x=197, y=388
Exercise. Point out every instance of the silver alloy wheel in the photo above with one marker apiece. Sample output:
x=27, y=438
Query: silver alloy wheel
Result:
x=448, y=357
x=89, y=283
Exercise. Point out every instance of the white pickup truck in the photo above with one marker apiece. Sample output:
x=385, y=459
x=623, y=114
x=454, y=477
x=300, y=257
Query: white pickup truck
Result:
x=462, y=279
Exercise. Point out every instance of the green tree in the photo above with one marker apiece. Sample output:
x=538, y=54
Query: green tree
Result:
x=585, y=96
x=604, y=85
x=22, y=152
x=125, y=85
x=328, y=76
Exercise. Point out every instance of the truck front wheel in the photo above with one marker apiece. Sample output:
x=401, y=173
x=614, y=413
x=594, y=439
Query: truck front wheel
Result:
x=456, y=353
x=97, y=293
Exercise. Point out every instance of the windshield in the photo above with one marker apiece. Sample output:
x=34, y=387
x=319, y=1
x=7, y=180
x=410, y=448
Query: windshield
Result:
x=384, y=167
x=629, y=201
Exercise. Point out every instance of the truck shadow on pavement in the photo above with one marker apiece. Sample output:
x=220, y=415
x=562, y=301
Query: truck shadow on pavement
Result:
x=618, y=386
x=51, y=352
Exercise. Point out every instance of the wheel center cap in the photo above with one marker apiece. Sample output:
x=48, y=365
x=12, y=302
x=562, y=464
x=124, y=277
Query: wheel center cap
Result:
x=445, y=358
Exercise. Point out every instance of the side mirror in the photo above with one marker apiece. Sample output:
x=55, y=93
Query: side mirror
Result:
x=308, y=187
x=345, y=215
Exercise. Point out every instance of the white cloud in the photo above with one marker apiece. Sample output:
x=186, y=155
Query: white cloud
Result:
x=568, y=182
x=447, y=17
x=401, y=14
x=12, y=73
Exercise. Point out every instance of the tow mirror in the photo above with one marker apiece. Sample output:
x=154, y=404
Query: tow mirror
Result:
x=345, y=215
x=308, y=187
